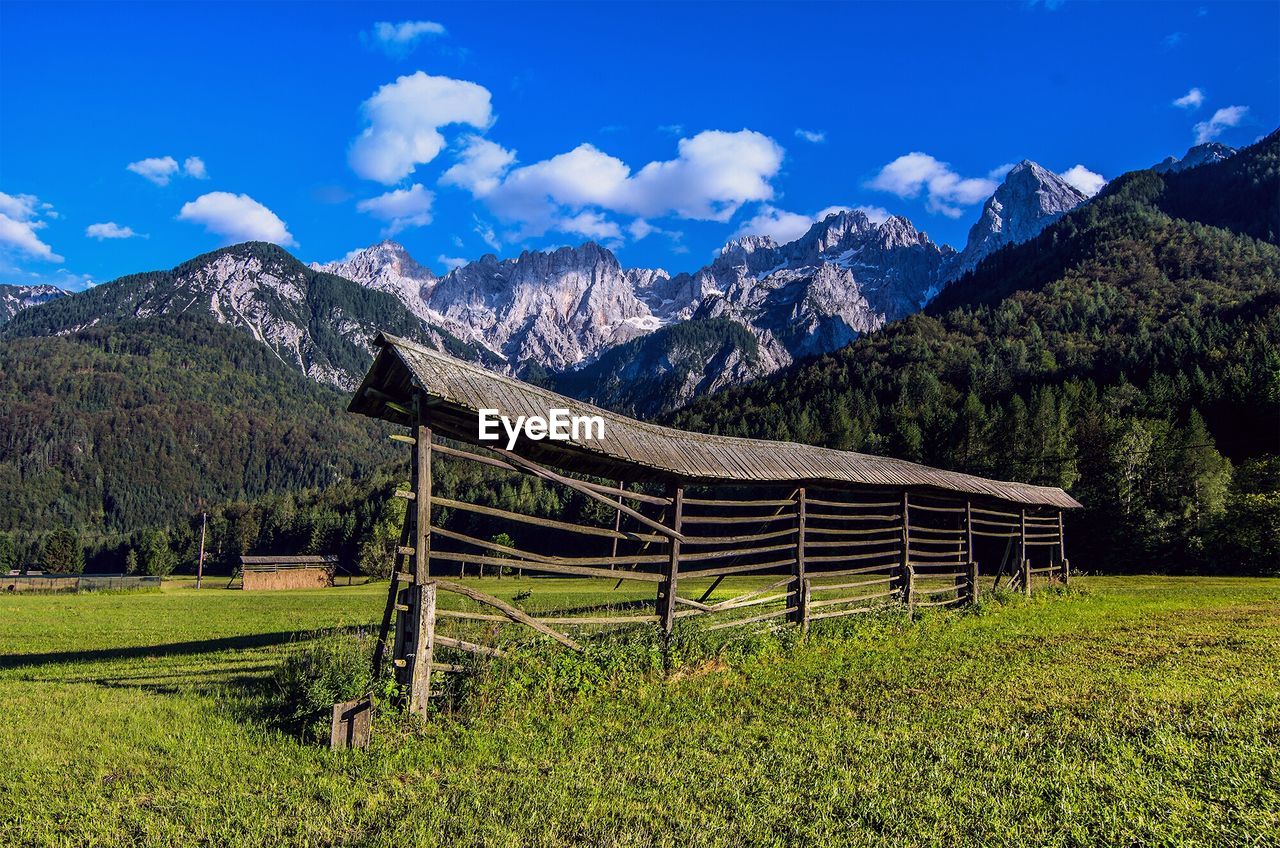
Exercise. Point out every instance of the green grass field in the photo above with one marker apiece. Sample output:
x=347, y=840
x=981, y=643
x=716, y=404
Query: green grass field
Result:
x=1128, y=711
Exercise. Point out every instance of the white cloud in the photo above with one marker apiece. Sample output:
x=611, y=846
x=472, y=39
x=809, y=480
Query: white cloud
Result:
x=713, y=175
x=785, y=226
x=487, y=233
x=812, y=136
x=399, y=39
x=1173, y=39
x=998, y=172
x=404, y=120
x=945, y=190
x=481, y=166
x=1083, y=180
x=161, y=169
x=19, y=219
x=158, y=169
x=236, y=217
x=671, y=129
x=404, y=207
x=451, y=262
x=1193, y=99
x=876, y=214
x=194, y=167
x=780, y=225
x=1228, y=116
x=110, y=230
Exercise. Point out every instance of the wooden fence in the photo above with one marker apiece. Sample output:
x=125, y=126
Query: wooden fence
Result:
x=819, y=553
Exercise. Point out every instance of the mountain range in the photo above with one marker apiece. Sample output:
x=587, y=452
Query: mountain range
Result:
x=554, y=316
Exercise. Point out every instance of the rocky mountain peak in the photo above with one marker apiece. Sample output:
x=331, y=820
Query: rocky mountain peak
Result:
x=388, y=267
x=1200, y=154
x=1028, y=200
x=14, y=299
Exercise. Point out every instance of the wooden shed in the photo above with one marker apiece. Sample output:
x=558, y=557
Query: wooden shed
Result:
x=267, y=572
x=831, y=533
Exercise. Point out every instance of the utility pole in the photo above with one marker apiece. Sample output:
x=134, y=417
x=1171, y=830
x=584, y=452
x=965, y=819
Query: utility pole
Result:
x=204, y=523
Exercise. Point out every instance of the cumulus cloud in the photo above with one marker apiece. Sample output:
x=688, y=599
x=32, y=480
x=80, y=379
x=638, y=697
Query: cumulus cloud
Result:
x=1173, y=39
x=945, y=190
x=481, y=166
x=399, y=39
x=404, y=120
x=193, y=167
x=20, y=216
x=1083, y=180
x=812, y=136
x=1224, y=118
x=784, y=226
x=450, y=262
x=110, y=230
x=236, y=217
x=404, y=207
x=1193, y=99
x=158, y=169
x=712, y=176
x=161, y=169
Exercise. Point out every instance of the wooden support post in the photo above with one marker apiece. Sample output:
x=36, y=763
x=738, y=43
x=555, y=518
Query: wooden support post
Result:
x=972, y=578
x=801, y=584
x=420, y=671
x=1066, y=572
x=667, y=588
x=968, y=530
x=1022, y=549
x=905, y=564
x=422, y=503
x=909, y=593
x=1062, y=548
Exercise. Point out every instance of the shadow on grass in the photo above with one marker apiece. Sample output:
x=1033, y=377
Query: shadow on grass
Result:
x=173, y=649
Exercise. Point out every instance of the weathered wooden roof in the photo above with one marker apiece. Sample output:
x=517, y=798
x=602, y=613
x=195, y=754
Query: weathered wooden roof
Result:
x=634, y=450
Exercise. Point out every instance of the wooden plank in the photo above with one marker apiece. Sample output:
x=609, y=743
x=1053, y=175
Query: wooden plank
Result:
x=469, y=647
x=351, y=723
x=509, y=611
x=693, y=574
x=849, y=572
x=470, y=616
x=895, y=554
x=703, y=556
x=264, y=559
x=831, y=602
x=801, y=583
x=614, y=619
x=550, y=568
x=752, y=620
x=834, y=586
x=842, y=613
x=736, y=519
x=737, y=540
x=667, y=588
x=853, y=504
x=638, y=559
x=423, y=645
x=705, y=502
x=546, y=522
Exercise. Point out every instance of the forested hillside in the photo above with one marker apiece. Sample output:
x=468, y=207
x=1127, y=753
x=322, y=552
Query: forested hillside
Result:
x=135, y=425
x=1126, y=355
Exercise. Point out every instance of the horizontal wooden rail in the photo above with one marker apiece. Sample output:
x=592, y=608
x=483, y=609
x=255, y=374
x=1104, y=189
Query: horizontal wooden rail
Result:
x=702, y=556
x=852, y=543
x=549, y=567
x=705, y=502
x=470, y=647
x=736, y=519
x=854, y=557
x=818, y=616
x=832, y=602
x=737, y=622
x=980, y=511
x=947, y=602
x=896, y=532
x=848, y=572
x=832, y=587
x=725, y=570
x=852, y=504
x=545, y=522
x=498, y=463
x=735, y=540
x=916, y=505
x=603, y=619
x=631, y=559
x=995, y=535
x=946, y=575
x=822, y=516
x=470, y=616
x=935, y=590
x=1052, y=544
x=518, y=616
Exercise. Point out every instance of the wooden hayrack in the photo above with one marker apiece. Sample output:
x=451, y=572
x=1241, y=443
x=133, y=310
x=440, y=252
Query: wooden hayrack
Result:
x=831, y=533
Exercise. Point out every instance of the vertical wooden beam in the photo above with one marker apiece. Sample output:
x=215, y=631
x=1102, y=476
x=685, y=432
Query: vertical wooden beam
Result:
x=972, y=569
x=1062, y=548
x=1024, y=563
x=420, y=671
x=422, y=501
x=667, y=588
x=907, y=583
x=801, y=584
x=968, y=529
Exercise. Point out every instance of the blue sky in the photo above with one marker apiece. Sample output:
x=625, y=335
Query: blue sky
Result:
x=135, y=136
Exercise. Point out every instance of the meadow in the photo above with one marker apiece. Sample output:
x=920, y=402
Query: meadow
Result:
x=1123, y=711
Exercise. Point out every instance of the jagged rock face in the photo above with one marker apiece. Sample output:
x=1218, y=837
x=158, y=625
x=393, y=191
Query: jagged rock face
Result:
x=1030, y=199
x=14, y=299
x=1201, y=154
x=388, y=267
x=558, y=309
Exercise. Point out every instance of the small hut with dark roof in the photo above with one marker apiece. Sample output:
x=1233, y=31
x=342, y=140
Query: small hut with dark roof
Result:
x=829, y=533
